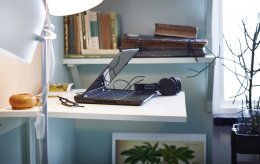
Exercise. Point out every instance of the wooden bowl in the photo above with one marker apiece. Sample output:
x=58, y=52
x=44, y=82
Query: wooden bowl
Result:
x=22, y=101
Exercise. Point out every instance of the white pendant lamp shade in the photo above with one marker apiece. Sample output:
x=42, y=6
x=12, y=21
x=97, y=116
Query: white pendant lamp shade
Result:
x=22, y=21
x=69, y=7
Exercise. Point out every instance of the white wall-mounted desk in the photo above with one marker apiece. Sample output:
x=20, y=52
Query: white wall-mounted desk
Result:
x=157, y=109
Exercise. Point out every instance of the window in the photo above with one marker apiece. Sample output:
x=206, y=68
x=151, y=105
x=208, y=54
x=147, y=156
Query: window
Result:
x=232, y=30
x=232, y=12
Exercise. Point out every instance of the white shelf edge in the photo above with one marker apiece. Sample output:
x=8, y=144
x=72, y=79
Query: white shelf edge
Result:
x=206, y=59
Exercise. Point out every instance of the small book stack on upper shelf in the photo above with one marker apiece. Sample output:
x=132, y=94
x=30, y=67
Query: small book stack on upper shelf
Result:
x=91, y=34
x=170, y=30
x=167, y=41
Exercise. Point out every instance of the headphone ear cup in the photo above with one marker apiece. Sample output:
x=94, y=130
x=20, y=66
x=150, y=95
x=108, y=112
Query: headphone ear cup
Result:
x=167, y=86
x=178, y=83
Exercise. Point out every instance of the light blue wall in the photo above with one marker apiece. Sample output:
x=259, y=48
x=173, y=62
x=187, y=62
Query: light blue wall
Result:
x=61, y=72
x=12, y=146
x=61, y=141
x=139, y=16
x=91, y=139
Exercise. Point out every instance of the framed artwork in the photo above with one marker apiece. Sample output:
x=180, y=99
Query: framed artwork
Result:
x=159, y=148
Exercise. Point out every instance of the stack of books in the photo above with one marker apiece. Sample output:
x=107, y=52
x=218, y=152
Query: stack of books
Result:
x=91, y=34
x=168, y=41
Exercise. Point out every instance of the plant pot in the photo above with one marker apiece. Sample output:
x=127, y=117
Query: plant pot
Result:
x=243, y=143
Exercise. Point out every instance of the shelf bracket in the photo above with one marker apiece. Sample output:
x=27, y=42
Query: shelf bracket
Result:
x=75, y=75
x=210, y=77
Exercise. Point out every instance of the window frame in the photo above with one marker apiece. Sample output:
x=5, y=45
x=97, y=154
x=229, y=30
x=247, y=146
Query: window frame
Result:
x=219, y=104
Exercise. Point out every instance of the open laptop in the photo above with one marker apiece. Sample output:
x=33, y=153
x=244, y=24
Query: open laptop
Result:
x=99, y=93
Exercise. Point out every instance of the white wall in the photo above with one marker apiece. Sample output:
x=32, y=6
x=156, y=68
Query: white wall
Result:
x=93, y=137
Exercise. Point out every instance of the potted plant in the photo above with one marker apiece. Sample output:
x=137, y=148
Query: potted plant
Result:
x=245, y=136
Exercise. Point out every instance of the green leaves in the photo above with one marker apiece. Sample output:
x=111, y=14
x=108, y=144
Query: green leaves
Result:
x=151, y=154
x=145, y=153
x=171, y=154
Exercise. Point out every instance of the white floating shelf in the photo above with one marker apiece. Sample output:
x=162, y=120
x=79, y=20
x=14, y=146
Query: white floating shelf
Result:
x=206, y=59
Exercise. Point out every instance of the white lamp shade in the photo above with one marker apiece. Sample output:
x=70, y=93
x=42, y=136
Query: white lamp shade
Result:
x=69, y=7
x=22, y=21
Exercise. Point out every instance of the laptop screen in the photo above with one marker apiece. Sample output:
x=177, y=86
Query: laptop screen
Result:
x=113, y=69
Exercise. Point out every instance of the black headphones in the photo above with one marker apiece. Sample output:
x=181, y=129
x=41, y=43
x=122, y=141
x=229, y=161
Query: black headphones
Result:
x=166, y=86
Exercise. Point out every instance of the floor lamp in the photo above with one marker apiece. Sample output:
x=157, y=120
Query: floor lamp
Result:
x=26, y=23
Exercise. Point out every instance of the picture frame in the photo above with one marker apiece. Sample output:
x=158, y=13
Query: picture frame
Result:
x=126, y=146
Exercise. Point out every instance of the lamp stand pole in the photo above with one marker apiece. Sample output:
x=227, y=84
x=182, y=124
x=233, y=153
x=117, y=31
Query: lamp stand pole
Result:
x=45, y=79
x=44, y=103
x=45, y=92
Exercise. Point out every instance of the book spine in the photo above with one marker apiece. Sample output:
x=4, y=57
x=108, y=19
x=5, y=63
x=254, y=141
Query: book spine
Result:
x=66, y=32
x=114, y=25
x=93, y=21
x=100, y=35
x=82, y=30
x=87, y=28
x=77, y=34
x=104, y=31
x=71, y=48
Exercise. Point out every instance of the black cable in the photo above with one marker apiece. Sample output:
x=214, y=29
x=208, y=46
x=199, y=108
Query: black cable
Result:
x=128, y=83
x=136, y=81
x=120, y=80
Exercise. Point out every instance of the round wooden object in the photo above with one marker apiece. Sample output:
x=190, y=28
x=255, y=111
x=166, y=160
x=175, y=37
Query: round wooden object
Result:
x=22, y=101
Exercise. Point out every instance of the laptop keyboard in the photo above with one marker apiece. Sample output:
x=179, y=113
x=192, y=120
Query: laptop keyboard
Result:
x=112, y=94
x=118, y=93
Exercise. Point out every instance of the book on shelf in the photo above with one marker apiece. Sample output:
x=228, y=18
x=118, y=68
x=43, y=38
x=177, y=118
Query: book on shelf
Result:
x=66, y=31
x=77, y=33
x=175, y=30
x=71, y=34
x=91, y=32
x=156, y=42
x=71, y=48
x=164, y=53
x=108, y=30
x=158, y=46
x=105, y=39
x=115, y=29
x=87, y=29
x=82, y=30
x=94, y=32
